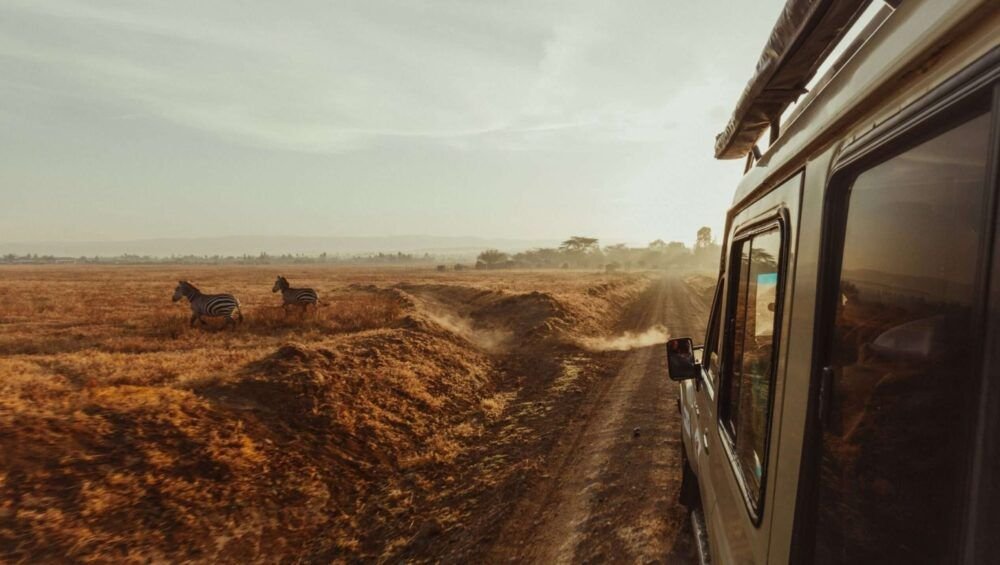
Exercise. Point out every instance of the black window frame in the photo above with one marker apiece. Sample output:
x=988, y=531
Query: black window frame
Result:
x=776, y=222
x=969, y=93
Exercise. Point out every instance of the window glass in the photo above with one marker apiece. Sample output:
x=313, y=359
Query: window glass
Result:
x=714, y=345
x=892, y=458
x=731, y=407
x=747, y=403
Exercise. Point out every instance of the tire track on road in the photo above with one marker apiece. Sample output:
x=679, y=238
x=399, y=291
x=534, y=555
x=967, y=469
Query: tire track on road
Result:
x=612, y=495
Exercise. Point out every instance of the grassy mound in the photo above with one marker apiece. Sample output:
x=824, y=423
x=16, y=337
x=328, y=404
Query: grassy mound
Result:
x=361, y=431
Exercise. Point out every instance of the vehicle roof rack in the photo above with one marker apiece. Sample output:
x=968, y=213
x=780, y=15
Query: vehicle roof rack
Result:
x=804, y=35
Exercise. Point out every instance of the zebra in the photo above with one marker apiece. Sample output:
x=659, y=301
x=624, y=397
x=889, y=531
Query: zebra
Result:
x=301, y=297
x=208, y=304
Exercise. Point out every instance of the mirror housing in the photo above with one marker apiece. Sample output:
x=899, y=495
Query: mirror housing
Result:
x=681, y=362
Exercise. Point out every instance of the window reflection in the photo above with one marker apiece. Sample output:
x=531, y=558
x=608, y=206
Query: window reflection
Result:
x=754, y=328
x=715, y=338
x=891, y=459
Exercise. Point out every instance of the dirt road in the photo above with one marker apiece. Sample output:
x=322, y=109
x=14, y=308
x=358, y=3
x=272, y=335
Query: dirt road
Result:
x=609, y=493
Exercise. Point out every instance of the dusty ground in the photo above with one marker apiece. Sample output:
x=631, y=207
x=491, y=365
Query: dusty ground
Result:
x=609, y=494
x=418, y=416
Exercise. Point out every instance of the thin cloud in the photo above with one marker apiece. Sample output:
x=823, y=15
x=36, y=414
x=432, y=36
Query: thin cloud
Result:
x=347, y=111
x=556, y=116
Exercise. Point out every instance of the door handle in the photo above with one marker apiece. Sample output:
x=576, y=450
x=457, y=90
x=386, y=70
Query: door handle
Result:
x=825, y=396
x=704, y=440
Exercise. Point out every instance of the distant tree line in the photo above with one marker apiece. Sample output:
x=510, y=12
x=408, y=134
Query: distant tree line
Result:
x=577, y=252
x=398, y=258
x=580, y=252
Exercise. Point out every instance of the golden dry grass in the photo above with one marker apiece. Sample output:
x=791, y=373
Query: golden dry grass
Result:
x=339, y=435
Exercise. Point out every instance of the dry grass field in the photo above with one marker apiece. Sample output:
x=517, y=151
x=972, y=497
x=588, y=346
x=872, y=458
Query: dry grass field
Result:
x=393, y=422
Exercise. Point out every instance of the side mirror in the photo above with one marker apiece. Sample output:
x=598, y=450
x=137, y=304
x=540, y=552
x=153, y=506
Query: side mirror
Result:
x=681, y=362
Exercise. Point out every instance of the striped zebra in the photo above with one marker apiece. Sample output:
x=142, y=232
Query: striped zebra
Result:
x=301, y=297
x=208, y=304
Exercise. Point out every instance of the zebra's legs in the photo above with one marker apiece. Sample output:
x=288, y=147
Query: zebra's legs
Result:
x=239, y=314
x=230, y=322
x=194, y=318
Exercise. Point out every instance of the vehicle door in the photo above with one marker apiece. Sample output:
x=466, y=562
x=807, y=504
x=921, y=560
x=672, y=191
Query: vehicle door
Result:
x=700, y=396
x=741, y=414
x=900, y=372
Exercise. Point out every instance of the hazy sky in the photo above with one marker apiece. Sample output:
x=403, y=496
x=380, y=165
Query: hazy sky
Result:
x=534, y=119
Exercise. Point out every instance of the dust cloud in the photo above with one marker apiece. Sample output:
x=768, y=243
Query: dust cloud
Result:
x=489, y=340
x=628, y=340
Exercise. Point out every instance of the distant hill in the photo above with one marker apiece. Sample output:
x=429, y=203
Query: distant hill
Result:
x=273, y=245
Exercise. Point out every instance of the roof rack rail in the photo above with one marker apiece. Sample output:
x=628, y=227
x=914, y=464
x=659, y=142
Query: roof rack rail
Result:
x=805, y=33
x=877, y=19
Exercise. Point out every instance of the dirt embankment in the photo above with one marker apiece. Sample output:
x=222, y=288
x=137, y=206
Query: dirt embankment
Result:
x=611, y=493
x=402, y=440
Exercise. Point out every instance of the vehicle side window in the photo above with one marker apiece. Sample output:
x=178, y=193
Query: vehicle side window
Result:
x=893, y=453
x=748, y=372
x=713, y=343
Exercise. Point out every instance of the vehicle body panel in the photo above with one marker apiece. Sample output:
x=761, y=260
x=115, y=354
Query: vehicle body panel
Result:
x=918, y=48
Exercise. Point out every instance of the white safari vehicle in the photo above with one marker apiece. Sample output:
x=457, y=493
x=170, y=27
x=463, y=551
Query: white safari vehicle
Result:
x=845, y=405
